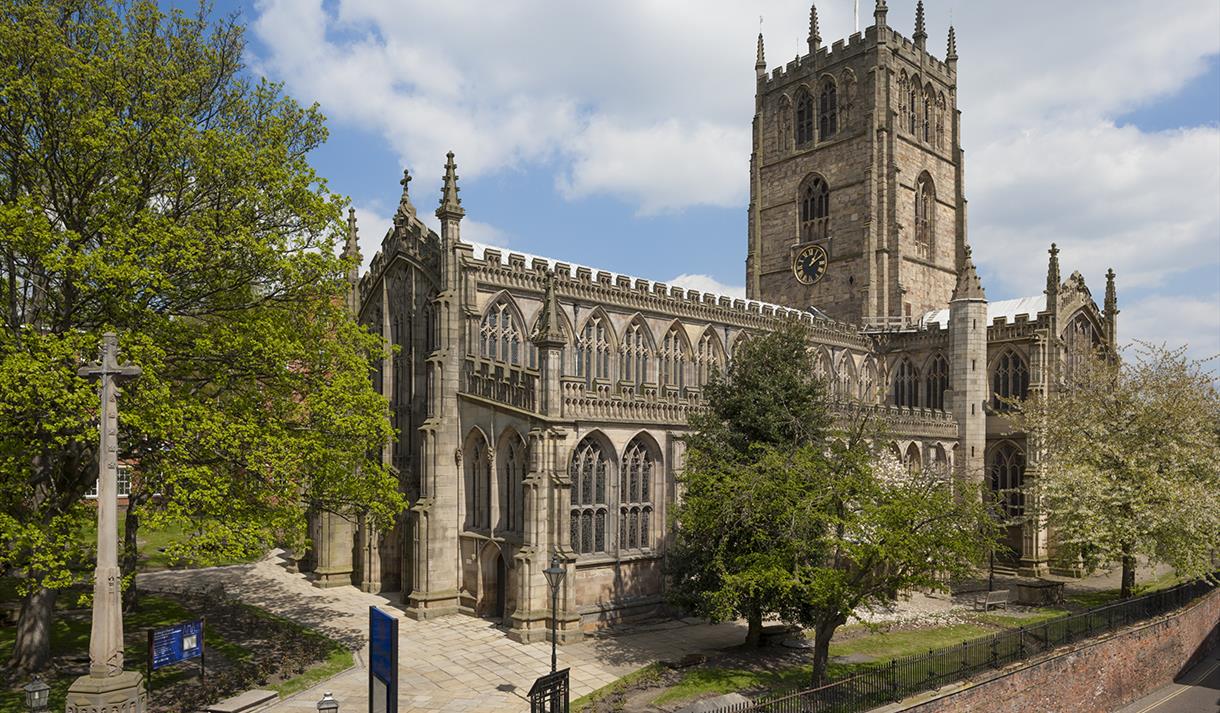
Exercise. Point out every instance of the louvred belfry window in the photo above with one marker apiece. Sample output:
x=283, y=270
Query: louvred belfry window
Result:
x=815, y=210
x=804, y=118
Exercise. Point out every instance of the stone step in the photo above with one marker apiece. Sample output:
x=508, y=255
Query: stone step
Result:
x=248, y=702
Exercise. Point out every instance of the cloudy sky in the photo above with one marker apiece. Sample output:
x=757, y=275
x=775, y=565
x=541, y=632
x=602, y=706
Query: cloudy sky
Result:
x=617, y=134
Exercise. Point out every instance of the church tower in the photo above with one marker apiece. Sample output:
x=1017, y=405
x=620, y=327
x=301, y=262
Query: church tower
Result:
x=856, y=190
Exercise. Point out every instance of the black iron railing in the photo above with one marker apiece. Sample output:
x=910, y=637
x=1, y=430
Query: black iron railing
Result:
x=878, y=684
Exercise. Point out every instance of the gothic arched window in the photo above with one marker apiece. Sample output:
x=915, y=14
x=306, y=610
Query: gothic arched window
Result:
x=636, y=352
x=593, y=351
x=1080, y=341
x=635, y=496
x=828, y=110
x=936, y=382
x=847, y=379
x=1007, y=478
x=710, y=357
x=804, y=117
x=925, y=212
x=906, y=384
x=512, y=483
x=868, y=382
x=815, y=210
x=478, y=482
x=673, y=359
x=912, y=106
x=590, y=474
x=929, y=106
x=940, y=121
x=499, y=334
x=1009, y=380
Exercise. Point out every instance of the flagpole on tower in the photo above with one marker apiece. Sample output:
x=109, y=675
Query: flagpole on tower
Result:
x=856, y=8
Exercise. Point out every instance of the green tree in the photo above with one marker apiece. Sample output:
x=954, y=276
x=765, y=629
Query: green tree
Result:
x=725, y=561
x=147, y=187
x=1130, y=449
x=783, y=514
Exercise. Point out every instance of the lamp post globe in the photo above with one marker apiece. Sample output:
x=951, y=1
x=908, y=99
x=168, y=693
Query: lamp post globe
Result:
x=328, y=704
x=554, y=578
x=37, y=694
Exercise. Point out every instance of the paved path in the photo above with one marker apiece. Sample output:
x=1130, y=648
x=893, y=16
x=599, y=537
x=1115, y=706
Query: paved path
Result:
x=1198, y=691
x=454, y=663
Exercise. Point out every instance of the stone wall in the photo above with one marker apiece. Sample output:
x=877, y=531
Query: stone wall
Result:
x=1098, y=675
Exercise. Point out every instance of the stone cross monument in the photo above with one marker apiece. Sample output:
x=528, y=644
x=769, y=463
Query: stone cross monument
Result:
x=107, y=688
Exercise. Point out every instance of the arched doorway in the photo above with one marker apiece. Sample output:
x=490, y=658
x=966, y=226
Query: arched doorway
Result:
x=492, y=598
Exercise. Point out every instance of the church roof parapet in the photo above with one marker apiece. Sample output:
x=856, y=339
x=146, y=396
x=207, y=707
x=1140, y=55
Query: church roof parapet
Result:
x=613, y=287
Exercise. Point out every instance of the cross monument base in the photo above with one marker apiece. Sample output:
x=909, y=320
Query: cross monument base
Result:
x=122, y=693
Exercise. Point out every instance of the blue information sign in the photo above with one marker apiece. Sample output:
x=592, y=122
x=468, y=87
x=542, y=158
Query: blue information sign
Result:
x=172, y=644
x=383, y=662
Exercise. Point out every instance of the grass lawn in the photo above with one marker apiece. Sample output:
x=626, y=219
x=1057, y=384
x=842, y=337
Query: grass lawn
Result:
x=70, y=636
x=881, y=645
x=152, y=542
x=1013, y=621
x=1106, y=596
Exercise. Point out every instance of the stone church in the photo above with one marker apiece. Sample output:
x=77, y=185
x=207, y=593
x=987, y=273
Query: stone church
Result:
x=540, y=405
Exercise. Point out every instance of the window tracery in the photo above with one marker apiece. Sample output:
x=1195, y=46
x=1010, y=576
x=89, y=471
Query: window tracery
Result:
x=590, y=473
x=1007, y=479
x=673, y=359
x=636, y=352
x=936, y=383
x=710, y=357
x=868, y=382
x=512, y=505
x=925, y=212
x=478, y=483
x=635, y=495
x=815, y=210
x=593, y=351
x=804, y=117
x=828, y=110
x=906, y=384
x=1010, y=380
x=499, y=334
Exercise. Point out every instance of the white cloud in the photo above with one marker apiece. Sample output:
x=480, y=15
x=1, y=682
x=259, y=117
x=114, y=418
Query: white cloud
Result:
x=707, y=283
x=651, y=103
x=1175, y=321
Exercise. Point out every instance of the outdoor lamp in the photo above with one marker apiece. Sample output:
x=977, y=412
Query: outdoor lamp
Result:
x=328, y=704
x=554, y=577
x=37, y=692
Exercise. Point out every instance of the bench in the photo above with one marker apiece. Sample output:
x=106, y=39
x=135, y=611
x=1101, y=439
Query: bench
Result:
x=998, y=598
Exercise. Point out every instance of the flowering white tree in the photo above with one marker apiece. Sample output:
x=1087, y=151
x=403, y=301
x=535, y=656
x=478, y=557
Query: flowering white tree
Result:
x=1132, y=454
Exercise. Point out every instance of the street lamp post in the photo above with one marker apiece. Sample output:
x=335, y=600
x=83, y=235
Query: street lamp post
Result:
x=328, y=704
x=554, y=577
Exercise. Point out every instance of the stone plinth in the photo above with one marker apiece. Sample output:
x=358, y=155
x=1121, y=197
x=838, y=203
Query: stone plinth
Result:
x=123, y=693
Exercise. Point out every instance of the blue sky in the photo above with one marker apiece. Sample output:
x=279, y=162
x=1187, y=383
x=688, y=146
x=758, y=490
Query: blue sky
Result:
x=617, y=134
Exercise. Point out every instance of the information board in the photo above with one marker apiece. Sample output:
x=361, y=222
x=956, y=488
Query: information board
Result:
x=383, y=662
x=171, y=644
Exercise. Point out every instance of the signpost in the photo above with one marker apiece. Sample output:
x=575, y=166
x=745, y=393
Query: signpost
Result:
x=383, y=662
x=172, y=644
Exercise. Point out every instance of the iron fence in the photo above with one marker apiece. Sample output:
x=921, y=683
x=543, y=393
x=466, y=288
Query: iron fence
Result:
x=879, y=684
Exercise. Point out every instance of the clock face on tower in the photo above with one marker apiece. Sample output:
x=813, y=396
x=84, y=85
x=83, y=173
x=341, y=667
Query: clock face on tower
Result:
x=810, y=264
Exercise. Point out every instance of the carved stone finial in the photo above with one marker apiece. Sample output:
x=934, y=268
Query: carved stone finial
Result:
x=1052, y=272
x=969, y=287
x=951, y=52
x=921, y=32
x=879, y=13
x=451, y=204
x=760, y=62
x=352, y=247
x=1111, y=305
x=815, y=35
x=549, y=329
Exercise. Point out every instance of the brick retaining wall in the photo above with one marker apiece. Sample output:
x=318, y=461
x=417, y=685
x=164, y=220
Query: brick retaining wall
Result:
x=1098, y=675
